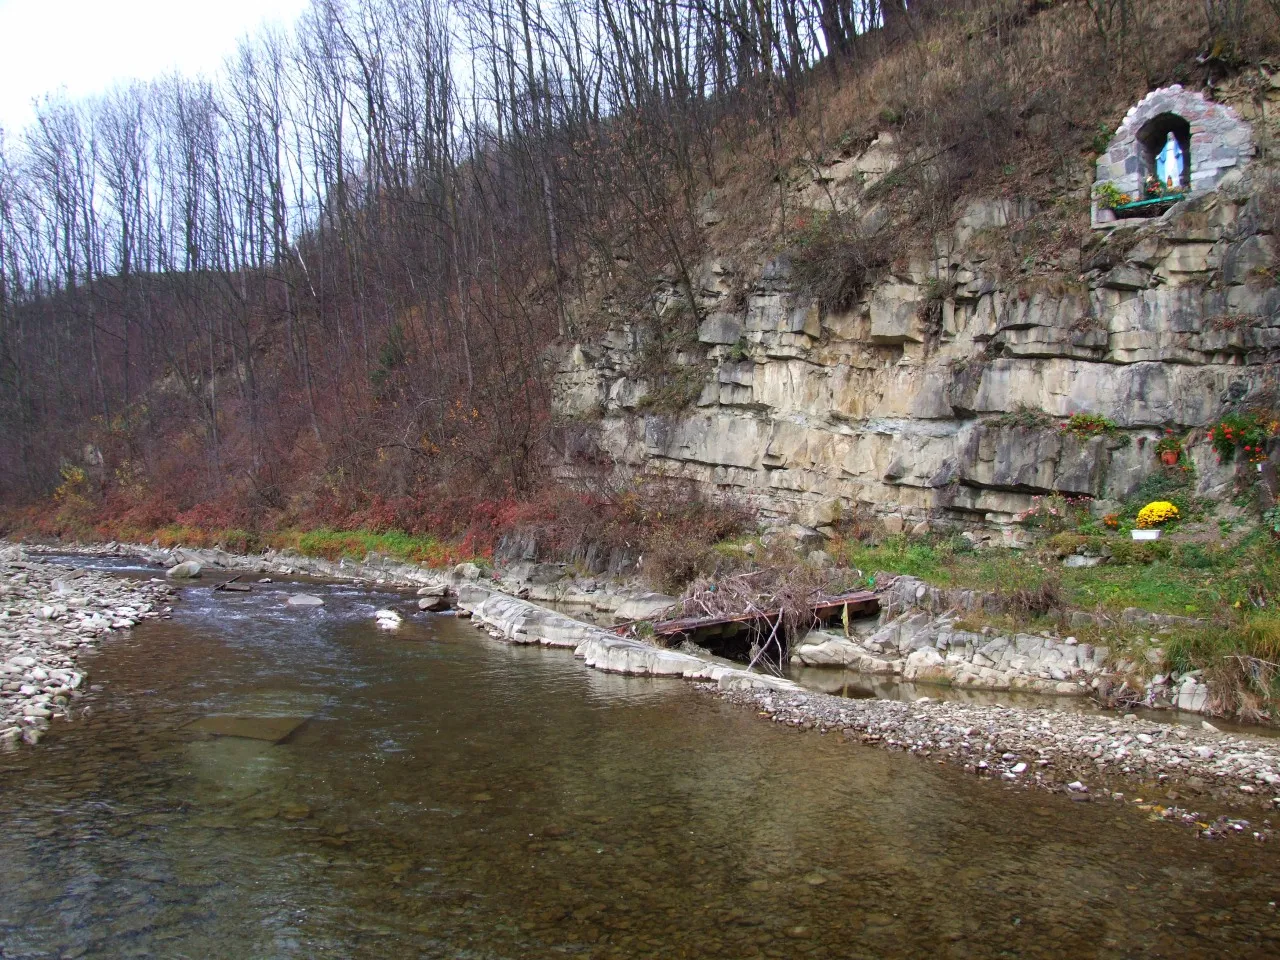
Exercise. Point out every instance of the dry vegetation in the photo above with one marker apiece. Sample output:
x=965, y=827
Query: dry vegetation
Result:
x=362, y=357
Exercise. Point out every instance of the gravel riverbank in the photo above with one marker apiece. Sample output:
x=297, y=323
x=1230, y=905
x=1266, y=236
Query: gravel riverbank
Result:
x=1167, y=769
x=50, y=616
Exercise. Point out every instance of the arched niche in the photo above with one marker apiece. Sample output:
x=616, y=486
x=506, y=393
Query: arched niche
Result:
x=1151, y=138
x=1214, y=141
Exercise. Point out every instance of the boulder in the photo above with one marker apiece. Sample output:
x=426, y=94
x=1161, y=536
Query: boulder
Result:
x=465, y=572
x=925, y=664
x=433, y=603
x=305, y=600
x=895, y=314
x=644, y=607
x=187, y=570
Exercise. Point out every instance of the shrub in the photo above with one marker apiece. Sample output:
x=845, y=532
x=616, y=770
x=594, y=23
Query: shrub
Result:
x=1271, y=521
x=1250, y=433
x=1054, y=513
x=1156, y=513
x=1089, y=425
x=1035, y=601
x=1026, y=417
x=834, y=261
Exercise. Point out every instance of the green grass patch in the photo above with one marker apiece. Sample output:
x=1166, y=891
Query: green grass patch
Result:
x=1189, y=579
x=327, y=543
x=356, y=544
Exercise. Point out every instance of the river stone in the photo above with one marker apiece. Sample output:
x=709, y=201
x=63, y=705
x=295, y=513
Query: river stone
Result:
x=433, y=603
x=305, y=600
x=464, y=572
x=644, y=607
x=187, y=570
x=270, y=729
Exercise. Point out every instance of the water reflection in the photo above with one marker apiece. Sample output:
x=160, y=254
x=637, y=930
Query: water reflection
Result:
x=452, y=796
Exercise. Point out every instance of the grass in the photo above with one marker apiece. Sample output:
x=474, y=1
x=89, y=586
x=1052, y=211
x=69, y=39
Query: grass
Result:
x=1185, y=579
x=1233, y=587
x=1241, y=665
x=327, y=543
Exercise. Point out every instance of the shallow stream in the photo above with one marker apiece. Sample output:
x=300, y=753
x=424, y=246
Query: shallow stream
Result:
x=452, y=796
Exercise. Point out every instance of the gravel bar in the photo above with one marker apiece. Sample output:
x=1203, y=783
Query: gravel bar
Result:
x=50, y=616
x=1161, y=767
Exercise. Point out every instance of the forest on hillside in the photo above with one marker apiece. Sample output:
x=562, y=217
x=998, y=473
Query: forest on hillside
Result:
x=317, y=286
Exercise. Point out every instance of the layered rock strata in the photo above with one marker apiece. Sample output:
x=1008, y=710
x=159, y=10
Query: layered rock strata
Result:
x=940, y=396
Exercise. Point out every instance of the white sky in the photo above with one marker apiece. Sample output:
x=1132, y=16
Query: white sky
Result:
x=87, y=46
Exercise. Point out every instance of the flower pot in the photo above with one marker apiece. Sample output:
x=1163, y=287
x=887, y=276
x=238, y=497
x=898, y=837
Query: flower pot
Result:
x=1146, y=534
x=1169, y=458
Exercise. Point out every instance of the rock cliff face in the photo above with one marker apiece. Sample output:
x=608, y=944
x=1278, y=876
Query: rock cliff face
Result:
x=938, y=398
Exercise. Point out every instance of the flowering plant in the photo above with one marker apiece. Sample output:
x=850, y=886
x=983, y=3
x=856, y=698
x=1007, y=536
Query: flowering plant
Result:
x=1111, y=521
x=1169, y=442
x=1156, y=513
x=1250, y=433
x=1053, y=513
x=1110, y=196
x=1087, y=425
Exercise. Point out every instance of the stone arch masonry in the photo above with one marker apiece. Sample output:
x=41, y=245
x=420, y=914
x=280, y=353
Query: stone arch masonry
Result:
x=1220, y=142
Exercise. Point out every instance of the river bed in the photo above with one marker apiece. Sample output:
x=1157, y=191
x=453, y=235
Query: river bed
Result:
x=448, y=795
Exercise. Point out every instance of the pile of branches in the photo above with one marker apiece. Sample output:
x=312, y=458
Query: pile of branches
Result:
x=783, y=597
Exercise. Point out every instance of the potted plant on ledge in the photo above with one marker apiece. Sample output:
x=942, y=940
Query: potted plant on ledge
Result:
x=1152, y=517
x=1169, y=448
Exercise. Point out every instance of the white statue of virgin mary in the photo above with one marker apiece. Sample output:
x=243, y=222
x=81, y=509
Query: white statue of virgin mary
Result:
x=1169, y=162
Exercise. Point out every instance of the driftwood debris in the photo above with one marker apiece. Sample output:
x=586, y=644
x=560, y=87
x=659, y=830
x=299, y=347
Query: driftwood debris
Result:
x=231, y=586
x=773, y=607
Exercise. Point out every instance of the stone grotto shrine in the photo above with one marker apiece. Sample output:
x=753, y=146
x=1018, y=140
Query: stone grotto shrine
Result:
x=1172, y=144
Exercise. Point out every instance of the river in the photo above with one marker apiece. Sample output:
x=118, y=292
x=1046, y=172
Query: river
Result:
x=452, y=796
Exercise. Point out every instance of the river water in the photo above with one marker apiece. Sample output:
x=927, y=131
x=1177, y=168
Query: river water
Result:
x=452, y=796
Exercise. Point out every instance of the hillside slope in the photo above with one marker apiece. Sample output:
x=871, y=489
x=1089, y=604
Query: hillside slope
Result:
x=945, y=391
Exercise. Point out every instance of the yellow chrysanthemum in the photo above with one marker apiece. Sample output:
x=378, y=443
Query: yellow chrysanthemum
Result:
x=1156, y=513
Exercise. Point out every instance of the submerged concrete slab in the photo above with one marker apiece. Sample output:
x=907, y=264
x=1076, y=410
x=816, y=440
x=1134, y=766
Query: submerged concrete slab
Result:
x=270, y=729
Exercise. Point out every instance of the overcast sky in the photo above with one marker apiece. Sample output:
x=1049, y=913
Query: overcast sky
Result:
x=86, y=46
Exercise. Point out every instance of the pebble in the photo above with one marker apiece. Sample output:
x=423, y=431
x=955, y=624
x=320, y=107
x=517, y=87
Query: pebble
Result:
x=49, y=617
x=991, y=740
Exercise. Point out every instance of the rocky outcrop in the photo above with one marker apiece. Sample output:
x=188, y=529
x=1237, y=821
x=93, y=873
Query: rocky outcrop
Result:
x=921, y=648
x=939, y=397
x=519, y=621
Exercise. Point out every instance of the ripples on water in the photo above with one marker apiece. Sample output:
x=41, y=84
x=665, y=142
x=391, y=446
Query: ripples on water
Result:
x=451, y=796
